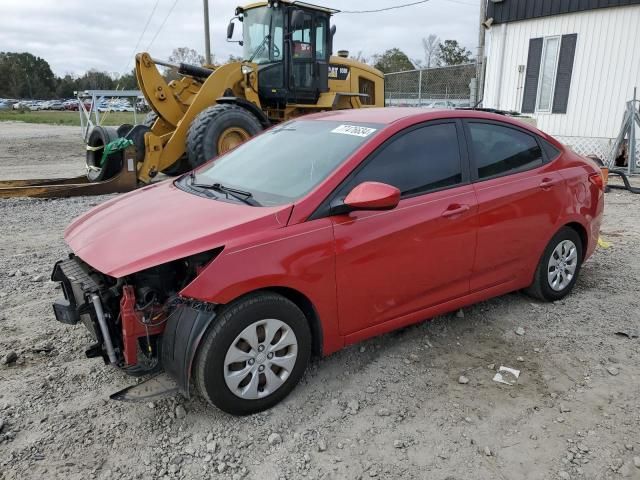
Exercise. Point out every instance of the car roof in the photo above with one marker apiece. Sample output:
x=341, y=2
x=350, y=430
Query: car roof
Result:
x=411, y=115
x=383, y=116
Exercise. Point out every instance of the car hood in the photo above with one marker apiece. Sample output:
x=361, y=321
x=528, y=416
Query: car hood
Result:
x=161, y=223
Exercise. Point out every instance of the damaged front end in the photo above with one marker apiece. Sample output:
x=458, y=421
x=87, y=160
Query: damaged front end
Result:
x=140, y=323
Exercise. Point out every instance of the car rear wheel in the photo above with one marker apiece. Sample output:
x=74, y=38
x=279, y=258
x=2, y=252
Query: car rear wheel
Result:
x=558, y=269
x=254, y=354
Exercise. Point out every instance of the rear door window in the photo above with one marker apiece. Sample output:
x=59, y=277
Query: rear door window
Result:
x=500, y=150
x=423, y=160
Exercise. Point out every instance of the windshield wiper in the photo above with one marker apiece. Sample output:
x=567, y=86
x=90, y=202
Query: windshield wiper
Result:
x=260, y=47
x=242, y=195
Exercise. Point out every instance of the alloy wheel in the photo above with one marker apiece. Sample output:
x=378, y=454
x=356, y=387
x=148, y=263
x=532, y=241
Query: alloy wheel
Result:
x=562, y=265
x=260, y=359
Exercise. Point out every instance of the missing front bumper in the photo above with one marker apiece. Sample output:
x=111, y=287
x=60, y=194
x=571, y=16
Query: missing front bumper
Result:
x=82, y=303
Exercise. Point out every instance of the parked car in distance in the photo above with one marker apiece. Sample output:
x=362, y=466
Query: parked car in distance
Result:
x=55, y=105
x=36, y=105
x=441, y=104
x=71, y=105
x=5, y=106
x=322, y=232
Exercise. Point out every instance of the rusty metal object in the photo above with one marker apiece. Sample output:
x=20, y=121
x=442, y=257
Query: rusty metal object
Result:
x=125, y=181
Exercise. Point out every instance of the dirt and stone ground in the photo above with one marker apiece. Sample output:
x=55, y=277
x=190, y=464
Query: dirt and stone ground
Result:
x=394, y=407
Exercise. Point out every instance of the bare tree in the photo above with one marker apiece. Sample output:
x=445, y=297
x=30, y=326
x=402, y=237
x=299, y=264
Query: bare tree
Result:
x=182, y=55
x=359, y=57
x=431, y=46
x=186, y=55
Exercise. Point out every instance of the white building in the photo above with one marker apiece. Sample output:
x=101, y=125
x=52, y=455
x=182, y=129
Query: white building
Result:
x=572, y=64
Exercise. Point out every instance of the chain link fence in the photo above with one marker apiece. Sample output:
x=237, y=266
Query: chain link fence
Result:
x=440, y=87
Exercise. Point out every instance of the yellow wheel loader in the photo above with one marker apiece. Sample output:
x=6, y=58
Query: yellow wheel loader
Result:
x=287, y=70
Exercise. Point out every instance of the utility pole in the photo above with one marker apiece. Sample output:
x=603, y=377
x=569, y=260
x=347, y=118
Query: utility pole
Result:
x=207, y=39
x=481, y=42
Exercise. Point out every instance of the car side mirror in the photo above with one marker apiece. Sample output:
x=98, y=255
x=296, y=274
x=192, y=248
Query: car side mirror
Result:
x=230, y=29
x=368, y=196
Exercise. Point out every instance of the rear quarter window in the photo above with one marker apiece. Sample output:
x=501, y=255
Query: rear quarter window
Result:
x=500, y=150
x=550, y=151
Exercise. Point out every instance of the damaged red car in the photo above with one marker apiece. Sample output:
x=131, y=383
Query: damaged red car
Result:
x=322, y=232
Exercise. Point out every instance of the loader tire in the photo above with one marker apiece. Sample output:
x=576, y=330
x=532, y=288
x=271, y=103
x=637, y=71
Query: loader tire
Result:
x=96, y=171
x=182, y=164
x=218, y=129
x=124, y=129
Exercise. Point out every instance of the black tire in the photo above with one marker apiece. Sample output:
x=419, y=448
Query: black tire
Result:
x=207, y=127
x=99, y=137
x=233, y=319
x=541, y=287
x=124, y=129
x=182, y=164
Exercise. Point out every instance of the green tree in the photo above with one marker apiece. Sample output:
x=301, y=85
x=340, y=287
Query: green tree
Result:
x=393, y=60
x=128, y=81
x=451, y=53
x=23, y=75
x=66, y=86
x=95, y=80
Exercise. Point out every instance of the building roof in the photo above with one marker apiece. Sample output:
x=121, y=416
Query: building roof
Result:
x=504, y=11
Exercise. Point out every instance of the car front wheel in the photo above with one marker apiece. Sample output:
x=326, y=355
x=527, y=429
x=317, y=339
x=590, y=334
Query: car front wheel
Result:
x=254, y=354
x=559, y=266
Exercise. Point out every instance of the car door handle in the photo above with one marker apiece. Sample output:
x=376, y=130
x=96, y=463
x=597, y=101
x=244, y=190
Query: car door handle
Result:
x=454, y=210
x=547, y=183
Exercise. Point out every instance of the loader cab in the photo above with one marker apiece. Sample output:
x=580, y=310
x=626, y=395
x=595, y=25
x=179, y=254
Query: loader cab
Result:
x=290, y=43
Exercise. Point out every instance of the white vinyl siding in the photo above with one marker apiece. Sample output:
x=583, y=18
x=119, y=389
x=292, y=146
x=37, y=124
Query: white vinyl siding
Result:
x=606, y=67
x=548, y=68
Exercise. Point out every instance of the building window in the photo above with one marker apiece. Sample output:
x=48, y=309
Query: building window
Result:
x=548, y=74
x=548, y=68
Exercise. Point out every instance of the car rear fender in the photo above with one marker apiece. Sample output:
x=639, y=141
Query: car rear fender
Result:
x=584, y=201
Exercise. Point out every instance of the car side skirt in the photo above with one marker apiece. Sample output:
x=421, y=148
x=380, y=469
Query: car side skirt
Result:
x=429, y=313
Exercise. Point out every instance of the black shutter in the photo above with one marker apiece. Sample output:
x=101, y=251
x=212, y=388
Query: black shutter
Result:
x=563, y=75
x=531, y=77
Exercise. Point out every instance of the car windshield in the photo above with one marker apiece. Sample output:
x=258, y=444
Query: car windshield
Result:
x=263, y=35
x=285, y=163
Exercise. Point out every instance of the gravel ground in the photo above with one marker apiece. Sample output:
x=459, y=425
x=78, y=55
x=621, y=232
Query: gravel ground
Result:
x=419, y=403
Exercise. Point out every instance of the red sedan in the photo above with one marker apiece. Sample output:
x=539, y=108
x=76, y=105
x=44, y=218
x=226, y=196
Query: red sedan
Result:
x=322, y=232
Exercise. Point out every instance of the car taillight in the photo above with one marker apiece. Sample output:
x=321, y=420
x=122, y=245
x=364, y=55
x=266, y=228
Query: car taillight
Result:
x=597, y=179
